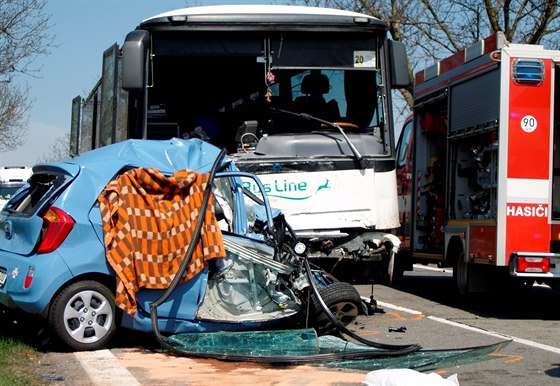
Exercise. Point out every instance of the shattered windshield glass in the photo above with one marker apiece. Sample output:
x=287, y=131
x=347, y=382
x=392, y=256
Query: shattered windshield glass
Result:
x=303, y=346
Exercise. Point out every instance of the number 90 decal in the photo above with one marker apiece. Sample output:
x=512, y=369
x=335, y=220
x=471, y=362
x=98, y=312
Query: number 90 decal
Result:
x=529, y=123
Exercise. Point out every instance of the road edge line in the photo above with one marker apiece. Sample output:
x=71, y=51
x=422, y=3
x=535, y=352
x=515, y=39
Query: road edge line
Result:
x=103, y=368
x=525, y=342
x=399, y=308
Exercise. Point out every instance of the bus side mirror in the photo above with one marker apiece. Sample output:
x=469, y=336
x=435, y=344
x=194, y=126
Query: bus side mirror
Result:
x=134, y=52
x=398, y=64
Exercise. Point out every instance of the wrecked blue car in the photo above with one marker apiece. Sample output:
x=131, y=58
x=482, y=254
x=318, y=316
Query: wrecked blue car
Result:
x=160, y=235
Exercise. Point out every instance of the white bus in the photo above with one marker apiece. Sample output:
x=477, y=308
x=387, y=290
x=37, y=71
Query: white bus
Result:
x=300, y=96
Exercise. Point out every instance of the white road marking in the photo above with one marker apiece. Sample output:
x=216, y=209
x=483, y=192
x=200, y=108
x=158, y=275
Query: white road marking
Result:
x=399, y=308
x=525, y=342
x=431, y=268
x=103, y=368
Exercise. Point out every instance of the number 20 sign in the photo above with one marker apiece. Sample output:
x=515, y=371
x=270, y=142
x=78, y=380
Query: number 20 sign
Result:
x=364, y=59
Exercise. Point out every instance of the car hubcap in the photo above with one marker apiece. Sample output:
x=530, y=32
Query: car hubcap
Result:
x=346, y=312
x=88, y=316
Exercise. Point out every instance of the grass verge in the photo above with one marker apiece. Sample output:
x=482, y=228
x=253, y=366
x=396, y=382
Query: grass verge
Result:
x=18, y=363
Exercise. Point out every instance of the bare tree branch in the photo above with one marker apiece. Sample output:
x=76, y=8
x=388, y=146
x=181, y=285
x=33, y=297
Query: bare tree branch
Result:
x=433, y=29
x=59, y=150
x=23, y=37
x=14, y=106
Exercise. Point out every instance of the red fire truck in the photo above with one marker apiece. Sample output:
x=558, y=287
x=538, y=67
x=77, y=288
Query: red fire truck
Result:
x=479, y=169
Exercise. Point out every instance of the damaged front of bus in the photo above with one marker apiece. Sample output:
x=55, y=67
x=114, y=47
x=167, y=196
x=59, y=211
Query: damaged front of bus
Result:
x=299, y=96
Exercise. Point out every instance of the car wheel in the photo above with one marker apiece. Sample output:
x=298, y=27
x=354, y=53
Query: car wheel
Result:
x=343, y=301
x=83, y=316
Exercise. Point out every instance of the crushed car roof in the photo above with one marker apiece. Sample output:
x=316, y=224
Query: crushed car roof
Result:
x=168, y=155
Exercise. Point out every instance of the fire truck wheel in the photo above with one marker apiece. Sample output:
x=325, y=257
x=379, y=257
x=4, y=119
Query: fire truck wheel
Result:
x=555, y=285
x=521, y=285
x=460, y=275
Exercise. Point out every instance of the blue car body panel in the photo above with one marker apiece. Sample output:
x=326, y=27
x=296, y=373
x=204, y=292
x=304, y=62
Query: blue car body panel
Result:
x=182, y=306
x=50, y=273
x=19, y=234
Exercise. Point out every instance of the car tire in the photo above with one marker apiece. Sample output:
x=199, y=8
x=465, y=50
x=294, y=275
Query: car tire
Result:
x=343, y=301
x=82, y=316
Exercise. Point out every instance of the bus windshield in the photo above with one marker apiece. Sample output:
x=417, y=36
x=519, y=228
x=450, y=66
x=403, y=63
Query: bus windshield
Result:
x=221, y=90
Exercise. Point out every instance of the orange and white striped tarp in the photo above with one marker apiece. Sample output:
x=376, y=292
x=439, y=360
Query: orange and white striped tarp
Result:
x=148, y=224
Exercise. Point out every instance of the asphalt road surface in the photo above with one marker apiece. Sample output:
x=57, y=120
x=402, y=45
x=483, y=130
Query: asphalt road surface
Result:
x=531, y=319
x=423, y=307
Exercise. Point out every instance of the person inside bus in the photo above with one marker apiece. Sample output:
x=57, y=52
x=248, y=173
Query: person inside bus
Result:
x=314, y=86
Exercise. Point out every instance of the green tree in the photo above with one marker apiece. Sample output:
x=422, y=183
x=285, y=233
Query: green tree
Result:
x=24, y=36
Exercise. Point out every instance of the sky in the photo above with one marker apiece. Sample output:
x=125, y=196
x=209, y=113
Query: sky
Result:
x=83, y=29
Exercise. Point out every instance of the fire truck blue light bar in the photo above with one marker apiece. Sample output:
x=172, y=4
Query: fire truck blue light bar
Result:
x=528, y=71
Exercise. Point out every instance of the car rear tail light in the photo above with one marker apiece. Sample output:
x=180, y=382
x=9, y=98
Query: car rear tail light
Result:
x=57, y=224
x=533, y=264
x=29, y=277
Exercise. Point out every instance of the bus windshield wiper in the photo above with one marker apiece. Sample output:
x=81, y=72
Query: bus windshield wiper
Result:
x=359, y=158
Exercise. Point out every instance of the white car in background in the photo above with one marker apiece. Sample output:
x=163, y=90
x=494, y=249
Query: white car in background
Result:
x=11, y=179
